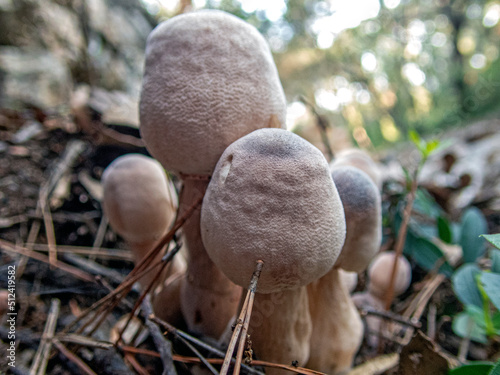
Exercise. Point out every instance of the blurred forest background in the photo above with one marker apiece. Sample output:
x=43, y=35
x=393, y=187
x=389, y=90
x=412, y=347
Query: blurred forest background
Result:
x=376, y=68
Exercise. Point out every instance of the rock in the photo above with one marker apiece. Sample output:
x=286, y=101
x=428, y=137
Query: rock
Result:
x=51, y=45
x=35, y=77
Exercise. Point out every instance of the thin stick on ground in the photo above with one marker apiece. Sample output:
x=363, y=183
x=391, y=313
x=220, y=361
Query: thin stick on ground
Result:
x=153, y=282
x=73, y=358
x=79, y=274
x=162, y=344
x=218, y=361
x=138, y=271
x=400, y=242
x=243, y=319
x=42, y=355
x=184, y=337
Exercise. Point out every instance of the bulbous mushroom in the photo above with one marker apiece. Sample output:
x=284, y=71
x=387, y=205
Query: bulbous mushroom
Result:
x=337, y=326
x=271, y=198
x=379, y=276
x=380, y=270
x=360, y=159
x=140, y=203
x=209, y=79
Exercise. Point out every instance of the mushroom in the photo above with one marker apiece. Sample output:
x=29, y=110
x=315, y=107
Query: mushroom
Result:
x=272, y=198
x=337, y=326
x=360, y=159
x=140, y=203
x=209, y=79
x=379, y=277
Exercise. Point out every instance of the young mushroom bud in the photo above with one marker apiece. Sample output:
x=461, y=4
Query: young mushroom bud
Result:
x=360, y=159
x=379, y=276
x=337, y=327
x=380, y=271
x=209, y=79
x=140, y=203
x=272, y=198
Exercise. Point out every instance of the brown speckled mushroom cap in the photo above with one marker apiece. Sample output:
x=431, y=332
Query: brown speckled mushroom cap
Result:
x=271, y=197
x=363, y=214
x=380, y=271
x=209, y=79
x=138, y=199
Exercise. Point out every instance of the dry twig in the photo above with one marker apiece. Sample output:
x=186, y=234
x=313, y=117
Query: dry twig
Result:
x=242, y=324
x=42, y=355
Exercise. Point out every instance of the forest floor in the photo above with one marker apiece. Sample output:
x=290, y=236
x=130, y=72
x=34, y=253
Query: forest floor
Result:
x=65, y=258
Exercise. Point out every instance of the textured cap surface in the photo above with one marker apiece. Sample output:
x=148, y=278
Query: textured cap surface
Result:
x=363, y=214
x=380, y=271
x=360, y=159
x=139, y=200
x=271, y=197
x=209, y=79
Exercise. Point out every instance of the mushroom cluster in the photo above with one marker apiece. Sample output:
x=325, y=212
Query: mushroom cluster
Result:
x=209, y=79
x=272, y=198
x=212, y=112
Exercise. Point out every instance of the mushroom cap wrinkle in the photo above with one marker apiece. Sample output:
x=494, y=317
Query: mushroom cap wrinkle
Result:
x=271, y=197
x=209, y=79
x=363, y=213
x=139, y=200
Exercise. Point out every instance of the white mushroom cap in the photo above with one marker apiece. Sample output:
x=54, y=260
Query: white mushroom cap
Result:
x=209, y=79
x=380, y=272
x=360, y=159
x=363, y=214
x=138, y=199
x=272, y=198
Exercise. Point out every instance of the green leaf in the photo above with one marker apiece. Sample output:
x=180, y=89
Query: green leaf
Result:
x=495, y=260
x=464, y=326
x=415, y=138
x=491, y=285
x=464, y=285
x=477, y=314
x=431, y=146
x=496, y=322
x=426, y=205
x=428, y=255
x=495, y=370
x=444, y=230
x=493, y=239
x=473, y=226
x=473, y=368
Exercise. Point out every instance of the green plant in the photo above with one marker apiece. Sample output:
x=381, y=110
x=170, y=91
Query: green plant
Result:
x=478, y=291
x=477, y=368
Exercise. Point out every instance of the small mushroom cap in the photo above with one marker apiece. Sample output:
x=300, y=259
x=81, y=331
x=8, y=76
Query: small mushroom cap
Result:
x=360, y=159
x=363, y=214
x=209, y=79
x=380, y=272
x=272, y=198
x=138, y=199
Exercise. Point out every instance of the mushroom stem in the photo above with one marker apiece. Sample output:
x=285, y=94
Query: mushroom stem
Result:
x=281, y=327
x=209, y=300
x=338, y=329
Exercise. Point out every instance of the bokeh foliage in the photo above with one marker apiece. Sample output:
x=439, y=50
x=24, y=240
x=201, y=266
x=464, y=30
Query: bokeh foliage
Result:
x=411, y=64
